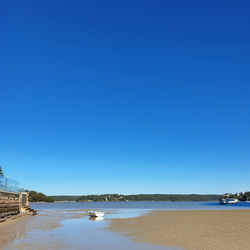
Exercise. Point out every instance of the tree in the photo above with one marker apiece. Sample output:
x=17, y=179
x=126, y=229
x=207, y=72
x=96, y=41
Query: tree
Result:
x=39, y=197
x=1, y=171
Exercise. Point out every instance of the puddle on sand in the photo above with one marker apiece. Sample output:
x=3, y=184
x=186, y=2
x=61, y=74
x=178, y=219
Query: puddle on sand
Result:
x=85, y=233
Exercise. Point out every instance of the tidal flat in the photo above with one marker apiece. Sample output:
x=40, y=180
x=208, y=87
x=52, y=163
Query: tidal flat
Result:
x=191, y=229
x=68, y=229
x=142, y=226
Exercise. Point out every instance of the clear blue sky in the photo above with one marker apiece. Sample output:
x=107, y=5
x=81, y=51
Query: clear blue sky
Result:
x=126, y=96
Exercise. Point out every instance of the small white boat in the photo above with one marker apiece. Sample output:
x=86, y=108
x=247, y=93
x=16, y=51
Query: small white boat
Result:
x=232, y=201
x=96, y=214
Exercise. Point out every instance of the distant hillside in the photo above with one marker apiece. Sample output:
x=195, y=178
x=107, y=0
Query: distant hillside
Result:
x=149, y=197
x=65, y=197
x=173, y=197
x=137, y=197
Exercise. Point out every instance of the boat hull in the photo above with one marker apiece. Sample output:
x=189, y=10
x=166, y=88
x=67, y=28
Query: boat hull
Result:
x=96, y=214
x=228, y=201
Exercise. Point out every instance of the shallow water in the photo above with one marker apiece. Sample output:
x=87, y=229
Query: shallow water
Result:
x=148, y=205
x=81, y=233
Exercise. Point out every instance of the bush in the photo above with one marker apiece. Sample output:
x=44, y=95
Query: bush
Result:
x=39, y=197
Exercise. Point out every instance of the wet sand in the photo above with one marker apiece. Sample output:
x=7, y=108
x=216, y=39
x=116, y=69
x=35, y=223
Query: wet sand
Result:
x=193, y=230
x=14, y=229
x=67, y=229
x=10, y=229
x=183, y=229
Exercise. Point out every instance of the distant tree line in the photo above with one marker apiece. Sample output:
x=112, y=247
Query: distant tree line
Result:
x=65, y=197
x=172, y=197
x=148, y=197
x=103, y=197
x=38, y=197
x=243, y=196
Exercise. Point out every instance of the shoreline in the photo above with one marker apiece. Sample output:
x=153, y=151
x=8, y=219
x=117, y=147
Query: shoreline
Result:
x=189, y=229
x=131, y=201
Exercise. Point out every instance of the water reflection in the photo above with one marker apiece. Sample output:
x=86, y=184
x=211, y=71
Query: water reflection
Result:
x=76, y=232
x=96, y=218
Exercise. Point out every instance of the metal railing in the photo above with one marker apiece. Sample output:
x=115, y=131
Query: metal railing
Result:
x=9, y=185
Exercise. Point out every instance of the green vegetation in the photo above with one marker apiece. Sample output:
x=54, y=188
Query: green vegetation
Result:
x=102, y=197
x=173, y=197
x=38, y=197
x=243, y=196
x=149, y=197
x=65, y=197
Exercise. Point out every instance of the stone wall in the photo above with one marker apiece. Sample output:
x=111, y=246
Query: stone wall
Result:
x=9, y=204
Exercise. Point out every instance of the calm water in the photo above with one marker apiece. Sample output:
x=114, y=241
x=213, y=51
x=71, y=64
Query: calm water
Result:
x=141, y=205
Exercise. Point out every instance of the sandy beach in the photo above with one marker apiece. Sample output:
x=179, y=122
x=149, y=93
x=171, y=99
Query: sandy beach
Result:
x=193, y=230
x=157, y=229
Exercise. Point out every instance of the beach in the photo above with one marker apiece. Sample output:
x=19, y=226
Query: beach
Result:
x=135, y=225
x=193, y=230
